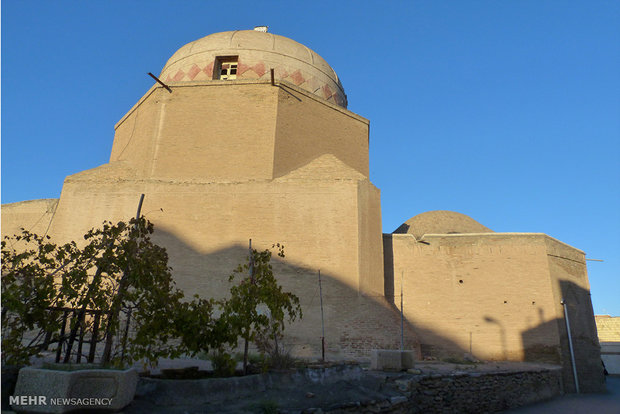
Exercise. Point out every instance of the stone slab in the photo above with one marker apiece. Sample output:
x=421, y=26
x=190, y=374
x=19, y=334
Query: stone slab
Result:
x=391, y=360
x=52, y=391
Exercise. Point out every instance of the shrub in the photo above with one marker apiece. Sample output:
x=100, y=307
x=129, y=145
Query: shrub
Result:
x=258, y=306
x=224, y=365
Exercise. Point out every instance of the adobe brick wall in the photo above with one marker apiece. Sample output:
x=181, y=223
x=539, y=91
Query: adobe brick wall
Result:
x=478, y=292
x=196, y=133
x=608, y=328
x=221, y=163
x=32, y=215
x=206, y=227
x=308, y=128
x=204, y=158
x=497, y=296
x=232, y=131
x=567, y=267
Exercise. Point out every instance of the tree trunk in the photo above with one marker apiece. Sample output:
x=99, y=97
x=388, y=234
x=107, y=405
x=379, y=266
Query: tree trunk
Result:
x=81, y=314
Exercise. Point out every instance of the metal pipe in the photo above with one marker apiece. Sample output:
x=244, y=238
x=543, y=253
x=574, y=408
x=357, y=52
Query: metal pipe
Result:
x=402, y=316
x=322, y=321
x=251, y=252
x=139, y=208
x=570, y=346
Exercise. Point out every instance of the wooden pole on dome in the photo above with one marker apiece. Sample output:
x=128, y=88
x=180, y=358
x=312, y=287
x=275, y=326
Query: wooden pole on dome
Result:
x=160, y=82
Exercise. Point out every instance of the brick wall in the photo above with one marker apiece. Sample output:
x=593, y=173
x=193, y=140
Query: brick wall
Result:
x=475, y=294
x=32, y=215
x=496, y=296
x=204, y=157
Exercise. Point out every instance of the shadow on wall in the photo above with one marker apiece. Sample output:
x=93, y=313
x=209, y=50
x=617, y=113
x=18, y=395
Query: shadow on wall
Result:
x=502, y=334
x=354, y=323
x=584, y=340
x=435, y=345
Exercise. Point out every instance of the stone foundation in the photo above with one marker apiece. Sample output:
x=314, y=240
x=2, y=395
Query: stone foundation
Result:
x=473, y=392
x=350, y=389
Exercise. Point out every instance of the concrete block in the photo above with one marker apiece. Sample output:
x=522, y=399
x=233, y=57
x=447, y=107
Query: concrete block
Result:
x=610, y=354
x=51, y=391
x=391, y=360
x=407, y=359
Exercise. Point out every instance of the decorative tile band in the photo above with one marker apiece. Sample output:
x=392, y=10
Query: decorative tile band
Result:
x=259, y=71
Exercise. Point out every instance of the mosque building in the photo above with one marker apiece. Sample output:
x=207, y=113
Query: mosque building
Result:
x=248, y=136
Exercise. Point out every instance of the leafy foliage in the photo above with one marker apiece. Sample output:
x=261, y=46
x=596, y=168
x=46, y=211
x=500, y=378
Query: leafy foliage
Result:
x=120, y=273
x=28, y=289
x=119, y=269
x=258, y=307
x=224, y=364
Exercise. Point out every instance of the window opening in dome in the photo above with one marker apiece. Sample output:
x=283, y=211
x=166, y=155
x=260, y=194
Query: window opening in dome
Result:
x=225, y=67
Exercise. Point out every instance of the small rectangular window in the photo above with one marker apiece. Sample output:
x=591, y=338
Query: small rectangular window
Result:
x=225, y=68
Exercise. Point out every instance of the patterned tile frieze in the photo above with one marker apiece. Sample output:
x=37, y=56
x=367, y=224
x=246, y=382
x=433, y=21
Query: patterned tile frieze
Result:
x=260, y=70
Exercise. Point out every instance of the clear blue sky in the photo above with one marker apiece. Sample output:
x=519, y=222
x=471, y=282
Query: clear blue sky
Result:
x=507, y=111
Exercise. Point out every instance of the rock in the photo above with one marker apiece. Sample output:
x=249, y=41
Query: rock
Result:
x=470, y=358
x=403, y=385
x=391, y=360
x=398, y=400
x=54, y=391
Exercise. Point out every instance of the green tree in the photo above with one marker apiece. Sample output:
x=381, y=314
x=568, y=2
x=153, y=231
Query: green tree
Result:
x=199, y=330
x=121, y=271
x=28, y=290
x=258, y=306
x=118, y=271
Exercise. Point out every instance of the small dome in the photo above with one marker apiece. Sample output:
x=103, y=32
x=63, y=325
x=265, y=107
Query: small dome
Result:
x=441, y=222
x=255, y=53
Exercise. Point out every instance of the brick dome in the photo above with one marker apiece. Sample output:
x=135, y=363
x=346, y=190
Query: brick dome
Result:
x=253, y=54
x=441, y=222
